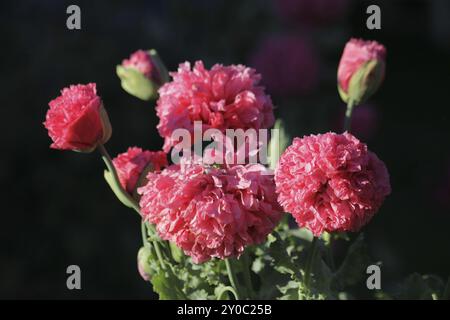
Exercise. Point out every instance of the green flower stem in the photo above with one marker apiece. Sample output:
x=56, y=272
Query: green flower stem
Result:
x=328, y=240
x=226, y=289
x=309, y=263
x=155, y=243
x=145, y=242
x=348, y=115
x=247, y=275
x=132, y=202
x=232, y=278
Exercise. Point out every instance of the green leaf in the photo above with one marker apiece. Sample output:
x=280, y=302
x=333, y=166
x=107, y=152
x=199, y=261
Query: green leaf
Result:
x=321, y=279
x=199, y=295
x=290, y=291
x=135, y=83
x=278, y=143
x=282, y=261
x=258, y=265
x=176, y=252
x=354, y=266
x=168, y=285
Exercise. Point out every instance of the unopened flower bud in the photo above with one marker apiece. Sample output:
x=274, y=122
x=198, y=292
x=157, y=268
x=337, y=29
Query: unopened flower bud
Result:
x=142, y=74
x=361, y=70
x=143, y=264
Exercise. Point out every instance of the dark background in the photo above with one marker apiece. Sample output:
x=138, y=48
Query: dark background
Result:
x=56, y=208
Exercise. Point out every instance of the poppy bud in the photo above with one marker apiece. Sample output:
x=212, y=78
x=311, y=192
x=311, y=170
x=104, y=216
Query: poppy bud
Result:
x=77, y=119
x=142, y=74
x=361, y=70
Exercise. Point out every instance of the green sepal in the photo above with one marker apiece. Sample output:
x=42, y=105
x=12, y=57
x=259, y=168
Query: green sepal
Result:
x=136, y=84
x=121, y=194
x=366, y=81
x=177, y=253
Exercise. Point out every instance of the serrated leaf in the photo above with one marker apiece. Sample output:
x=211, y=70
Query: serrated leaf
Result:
x=167, y=285
x=258, y=265
x=290, y=291
x=199, y=295
x=282, y=261
x=321, y=278
x=177, y=253
x=353, y=268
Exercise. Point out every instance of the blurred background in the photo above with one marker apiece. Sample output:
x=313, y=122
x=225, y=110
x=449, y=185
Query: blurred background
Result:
x=56, y=208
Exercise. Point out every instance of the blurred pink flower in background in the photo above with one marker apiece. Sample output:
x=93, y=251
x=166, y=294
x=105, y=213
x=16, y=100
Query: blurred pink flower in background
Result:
x=289, y=64
x=312, y=11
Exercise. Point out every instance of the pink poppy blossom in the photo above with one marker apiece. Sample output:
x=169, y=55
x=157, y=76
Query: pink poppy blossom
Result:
x=224, y=97
x=331, y=182
x=131, y=164
x=211, y=212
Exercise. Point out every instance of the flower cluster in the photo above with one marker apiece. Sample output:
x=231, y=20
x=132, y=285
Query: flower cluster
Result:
x=331, y=182
x=215, y=209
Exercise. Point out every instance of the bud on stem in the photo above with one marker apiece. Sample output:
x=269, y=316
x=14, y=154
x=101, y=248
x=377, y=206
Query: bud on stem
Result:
x=142, y=74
